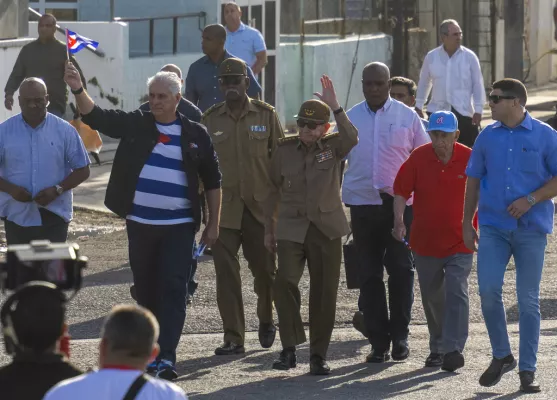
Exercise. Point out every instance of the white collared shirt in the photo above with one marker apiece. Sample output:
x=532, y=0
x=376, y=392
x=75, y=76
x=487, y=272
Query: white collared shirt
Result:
x=457, y=81
x=386, y=139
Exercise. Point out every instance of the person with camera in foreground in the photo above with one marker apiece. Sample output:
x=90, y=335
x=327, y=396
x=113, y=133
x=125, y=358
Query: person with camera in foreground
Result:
x=33, y=326
x=128, y=343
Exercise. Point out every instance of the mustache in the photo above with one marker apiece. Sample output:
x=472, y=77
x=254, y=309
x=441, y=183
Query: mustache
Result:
x=231, y=90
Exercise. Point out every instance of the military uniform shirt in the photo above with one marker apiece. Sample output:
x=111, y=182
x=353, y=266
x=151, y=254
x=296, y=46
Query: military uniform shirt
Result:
x=244, y=148
x=309, y=182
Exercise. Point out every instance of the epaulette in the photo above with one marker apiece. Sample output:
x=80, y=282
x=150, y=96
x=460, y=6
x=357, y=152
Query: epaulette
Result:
x=212, y=108
x=262, y=104
x=330, y=136
x=288, y=139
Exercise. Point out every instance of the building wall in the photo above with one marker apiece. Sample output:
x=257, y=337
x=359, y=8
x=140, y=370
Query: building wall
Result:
x=189, y=36
x=296, y=84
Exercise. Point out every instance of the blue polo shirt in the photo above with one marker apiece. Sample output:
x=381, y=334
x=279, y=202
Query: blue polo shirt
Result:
x=202, y=83
x=512, y=163
x=244, y=43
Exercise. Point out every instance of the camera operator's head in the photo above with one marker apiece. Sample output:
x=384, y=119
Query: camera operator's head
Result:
x=129, y=337
x=33, y=319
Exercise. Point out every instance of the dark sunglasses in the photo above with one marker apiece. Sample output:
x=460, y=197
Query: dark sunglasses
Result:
x=495, y=99
x=310, y=124
x=231, y=80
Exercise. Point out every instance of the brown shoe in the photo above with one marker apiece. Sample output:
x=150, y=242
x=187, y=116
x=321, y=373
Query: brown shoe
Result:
x=229, y=348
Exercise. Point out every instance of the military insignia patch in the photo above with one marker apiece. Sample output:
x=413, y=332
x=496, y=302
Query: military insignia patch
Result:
x=258, y=128
x=324, y=155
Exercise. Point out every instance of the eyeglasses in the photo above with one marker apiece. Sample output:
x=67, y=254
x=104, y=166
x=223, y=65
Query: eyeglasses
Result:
x=495, y=99
x=231, y=80
x=310, y=124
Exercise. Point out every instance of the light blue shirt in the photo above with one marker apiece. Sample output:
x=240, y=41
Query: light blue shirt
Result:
x=512, y=163
x=244, y=43
x=35, y=159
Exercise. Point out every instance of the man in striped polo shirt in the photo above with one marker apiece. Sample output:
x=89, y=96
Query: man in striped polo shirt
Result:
x=154, y=184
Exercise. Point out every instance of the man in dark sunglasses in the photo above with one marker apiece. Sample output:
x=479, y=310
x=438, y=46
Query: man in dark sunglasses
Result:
x=245, y=133
x=512, y=177
x=305, y=173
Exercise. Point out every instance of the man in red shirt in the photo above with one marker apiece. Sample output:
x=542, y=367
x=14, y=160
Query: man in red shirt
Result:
x=435, y=174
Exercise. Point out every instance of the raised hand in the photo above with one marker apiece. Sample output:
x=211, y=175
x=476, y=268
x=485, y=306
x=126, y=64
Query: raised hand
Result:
x=72, y=76
x=328, y=95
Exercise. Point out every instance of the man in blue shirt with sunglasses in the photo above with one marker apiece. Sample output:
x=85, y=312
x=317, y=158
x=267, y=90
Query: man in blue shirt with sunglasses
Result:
x=512, y=177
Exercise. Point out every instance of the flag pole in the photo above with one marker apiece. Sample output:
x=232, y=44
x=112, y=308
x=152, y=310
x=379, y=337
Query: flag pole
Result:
x=67, y=48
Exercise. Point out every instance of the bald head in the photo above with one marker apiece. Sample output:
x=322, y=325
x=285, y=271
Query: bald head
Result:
x=216, y=30
x=33, y=100
x=47, y=28
x=33, y=85
x=377, y=68
x=376, y=84
x=172, y=68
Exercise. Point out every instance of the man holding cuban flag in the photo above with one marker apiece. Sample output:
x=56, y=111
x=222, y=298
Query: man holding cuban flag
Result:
x=44, y=58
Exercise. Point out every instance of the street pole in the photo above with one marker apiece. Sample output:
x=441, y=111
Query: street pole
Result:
x=398, y=37
x=112, y=10
x=514, y=42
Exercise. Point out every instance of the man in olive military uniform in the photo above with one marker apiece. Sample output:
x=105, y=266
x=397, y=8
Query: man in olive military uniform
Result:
x=245, y=133
x=305, y=172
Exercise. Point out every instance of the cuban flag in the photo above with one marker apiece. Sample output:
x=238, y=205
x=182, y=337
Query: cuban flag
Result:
x=76, y=42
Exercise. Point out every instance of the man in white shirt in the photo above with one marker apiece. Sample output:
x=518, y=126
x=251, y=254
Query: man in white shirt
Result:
x=128, y=344
x=455, y=75
x=388, y=132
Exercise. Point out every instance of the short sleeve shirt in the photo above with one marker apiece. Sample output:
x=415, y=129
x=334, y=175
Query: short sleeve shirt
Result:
x=244, y=43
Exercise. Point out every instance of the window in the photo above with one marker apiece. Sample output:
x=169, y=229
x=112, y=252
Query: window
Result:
x=63, y=10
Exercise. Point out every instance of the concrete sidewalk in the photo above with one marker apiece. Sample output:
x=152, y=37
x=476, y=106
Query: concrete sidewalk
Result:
x=205, y=376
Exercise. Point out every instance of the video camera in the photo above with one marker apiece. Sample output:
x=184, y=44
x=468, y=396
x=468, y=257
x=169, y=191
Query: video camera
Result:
x=56, y=263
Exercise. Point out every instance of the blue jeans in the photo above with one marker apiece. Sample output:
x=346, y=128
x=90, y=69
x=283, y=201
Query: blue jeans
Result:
x=494, y=252
x=160, y=260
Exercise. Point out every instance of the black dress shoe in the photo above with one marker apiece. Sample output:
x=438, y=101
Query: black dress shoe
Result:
x=267, y=333
x=400, y=350
x=434, y=360
x=378, y=356
x=229, y=348
x=453, y=361
x=318, y=366
x=286, y=360
x=528, y=382
x=496, y=369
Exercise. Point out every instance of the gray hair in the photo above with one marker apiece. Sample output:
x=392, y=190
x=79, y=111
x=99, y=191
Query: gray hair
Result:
x=444, y=27
x=169, y=79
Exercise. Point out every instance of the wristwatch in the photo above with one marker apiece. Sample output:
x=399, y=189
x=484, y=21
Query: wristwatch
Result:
x=59, y=189
x=336, y=112
x=531, y=199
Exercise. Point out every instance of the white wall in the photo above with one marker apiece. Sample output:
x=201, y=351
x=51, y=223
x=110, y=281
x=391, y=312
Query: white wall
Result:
x=9, y=50
x=331, y=57
x=541, y=31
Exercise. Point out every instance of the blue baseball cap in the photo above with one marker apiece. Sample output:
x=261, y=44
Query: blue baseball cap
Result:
x=443, y=121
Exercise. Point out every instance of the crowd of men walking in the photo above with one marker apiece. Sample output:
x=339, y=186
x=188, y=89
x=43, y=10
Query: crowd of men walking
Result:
x=418, y=191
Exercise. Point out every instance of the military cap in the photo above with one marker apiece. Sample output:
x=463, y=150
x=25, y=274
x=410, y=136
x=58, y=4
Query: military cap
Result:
x=314, y=110
x=232, y=67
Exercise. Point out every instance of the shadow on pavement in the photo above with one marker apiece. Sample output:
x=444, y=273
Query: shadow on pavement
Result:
x=549, y=332
x=496, y=396
x=113, y=276
x=197, y=367
x=340, y=384
x=87, y=330
x=548, y=309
